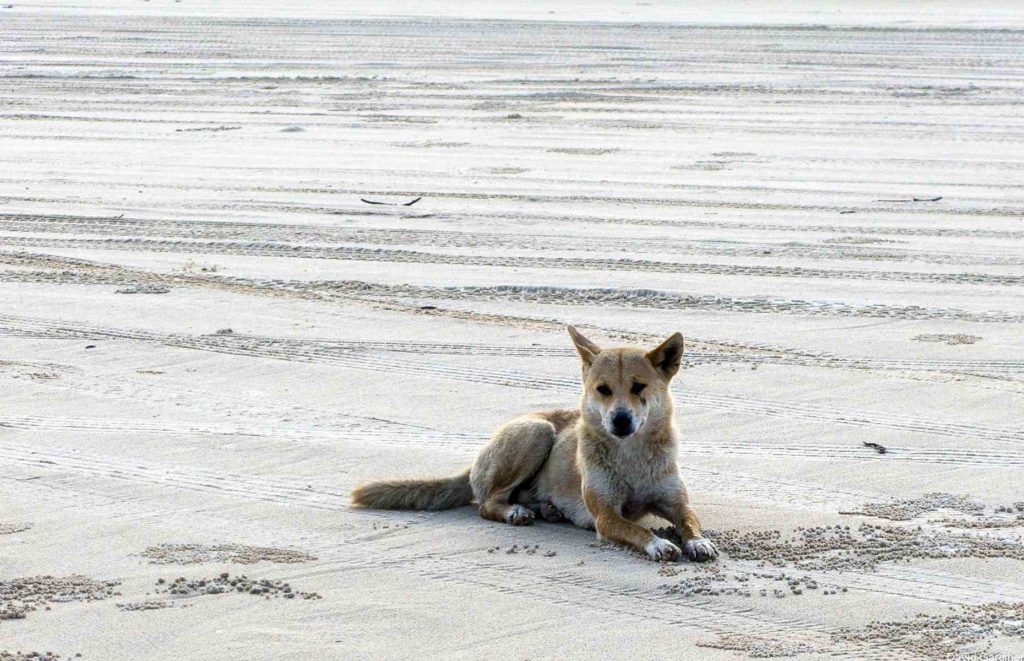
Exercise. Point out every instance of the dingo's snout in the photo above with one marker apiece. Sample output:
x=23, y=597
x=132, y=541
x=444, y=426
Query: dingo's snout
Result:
x=622, y=424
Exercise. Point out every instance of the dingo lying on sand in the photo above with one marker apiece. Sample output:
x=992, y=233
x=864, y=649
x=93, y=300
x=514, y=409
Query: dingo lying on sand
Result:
x=602, y=466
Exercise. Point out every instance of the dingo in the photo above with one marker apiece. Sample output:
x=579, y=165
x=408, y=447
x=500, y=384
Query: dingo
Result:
x=604, y=465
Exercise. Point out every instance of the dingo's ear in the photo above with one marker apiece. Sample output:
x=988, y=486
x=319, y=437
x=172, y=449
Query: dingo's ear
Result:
x=587, y=349
x=667, y=356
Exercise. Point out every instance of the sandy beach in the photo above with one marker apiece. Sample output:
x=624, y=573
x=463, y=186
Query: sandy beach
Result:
x=253, y=254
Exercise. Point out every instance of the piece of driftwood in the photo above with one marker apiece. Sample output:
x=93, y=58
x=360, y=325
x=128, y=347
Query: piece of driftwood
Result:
x=880, y=449
x=391, y=204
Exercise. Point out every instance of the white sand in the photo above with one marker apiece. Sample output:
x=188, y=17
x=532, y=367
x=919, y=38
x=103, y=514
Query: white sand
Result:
x=633, y=168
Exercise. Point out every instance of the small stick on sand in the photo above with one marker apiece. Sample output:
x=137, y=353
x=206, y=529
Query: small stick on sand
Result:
x=392, y=204
x=910, y=199
x=881, y=449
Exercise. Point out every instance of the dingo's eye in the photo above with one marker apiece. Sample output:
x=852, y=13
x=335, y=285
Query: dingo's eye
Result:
x=638, y=388
x=604, y=390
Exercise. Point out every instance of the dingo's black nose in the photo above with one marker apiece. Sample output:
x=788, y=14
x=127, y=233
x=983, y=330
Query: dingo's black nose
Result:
x=622, y=423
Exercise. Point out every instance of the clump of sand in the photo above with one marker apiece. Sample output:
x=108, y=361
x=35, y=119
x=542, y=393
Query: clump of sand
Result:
x=240, y=554
x=756, y=646
x=945, y=636
x=20, y=596
x=225, y=583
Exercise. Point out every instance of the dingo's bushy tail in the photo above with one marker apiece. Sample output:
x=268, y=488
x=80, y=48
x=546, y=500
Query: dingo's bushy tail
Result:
x=434, y=494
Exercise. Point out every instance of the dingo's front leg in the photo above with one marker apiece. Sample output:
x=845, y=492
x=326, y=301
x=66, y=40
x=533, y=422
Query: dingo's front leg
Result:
x=677, y=510
x=611, y=525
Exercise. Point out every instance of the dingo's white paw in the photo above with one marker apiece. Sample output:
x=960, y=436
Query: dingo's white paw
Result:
x=662, y=550
x=700, y=550
x=518, y=515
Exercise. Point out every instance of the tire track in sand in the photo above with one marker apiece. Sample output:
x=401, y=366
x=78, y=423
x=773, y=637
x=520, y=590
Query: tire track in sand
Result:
x=345, y=253
x=300, y=351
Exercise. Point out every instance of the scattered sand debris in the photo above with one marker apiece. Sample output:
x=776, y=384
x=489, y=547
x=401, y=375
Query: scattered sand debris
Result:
x=713, y=581
x=757, y=647
x=860, y=240
x=986, y=522
x=830, y=548
x=948, y=339
x=946, y=636
x=21, y=596
x=143, y=289
x=905, y=510
x=503, y=170
x=191, y=266
x=225, y=583
x=34, y=371
x=241, y=554
x=31, y=656
x=430, y=144
x=1002, y=516
x=11, y=528
x=527, y=549
x=149, y=605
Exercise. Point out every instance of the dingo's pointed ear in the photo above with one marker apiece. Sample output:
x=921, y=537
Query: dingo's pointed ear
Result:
x=667, y=356
x=587, y=349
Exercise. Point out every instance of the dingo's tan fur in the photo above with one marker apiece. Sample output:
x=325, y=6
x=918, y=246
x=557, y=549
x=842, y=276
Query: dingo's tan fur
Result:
x=603, y=466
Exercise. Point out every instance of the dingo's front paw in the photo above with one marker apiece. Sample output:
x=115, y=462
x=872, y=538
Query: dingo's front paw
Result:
x=550, y=513
x=518, y=515
x=662, y=550
x=700, y=550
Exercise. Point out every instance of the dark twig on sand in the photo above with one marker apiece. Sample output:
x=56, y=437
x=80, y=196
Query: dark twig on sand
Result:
x=880, y=449
x=910, y=199
x=392, y=204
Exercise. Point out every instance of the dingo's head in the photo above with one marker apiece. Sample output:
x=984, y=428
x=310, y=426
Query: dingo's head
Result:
x=626, y=390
